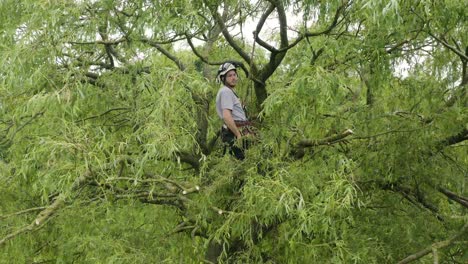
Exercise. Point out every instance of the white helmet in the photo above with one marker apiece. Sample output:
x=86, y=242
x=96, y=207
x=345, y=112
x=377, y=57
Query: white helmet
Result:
x=223, y=69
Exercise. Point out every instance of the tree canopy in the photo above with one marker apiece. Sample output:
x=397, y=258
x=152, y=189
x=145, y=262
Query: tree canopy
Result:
x=110, y=149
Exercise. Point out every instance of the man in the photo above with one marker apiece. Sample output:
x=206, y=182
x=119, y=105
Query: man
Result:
x=231, y=110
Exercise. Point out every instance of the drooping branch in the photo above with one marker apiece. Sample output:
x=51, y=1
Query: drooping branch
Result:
x=166, y=53
x=198, y=54
x=414, y=196
x=434, y=247
x=417, y=198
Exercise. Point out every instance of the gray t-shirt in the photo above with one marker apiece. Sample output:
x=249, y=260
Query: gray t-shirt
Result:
x=226, y=99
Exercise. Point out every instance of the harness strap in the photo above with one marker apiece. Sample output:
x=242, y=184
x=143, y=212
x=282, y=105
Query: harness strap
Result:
x=240, y=124
x=243, y=123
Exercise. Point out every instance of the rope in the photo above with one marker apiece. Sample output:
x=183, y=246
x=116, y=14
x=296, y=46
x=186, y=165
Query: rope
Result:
x=252, y=86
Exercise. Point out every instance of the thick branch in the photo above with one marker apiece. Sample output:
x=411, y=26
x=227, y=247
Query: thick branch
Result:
x=284, y=41
x=298, y=151
x=259, y=27
x=454, y=197
x=325, y=141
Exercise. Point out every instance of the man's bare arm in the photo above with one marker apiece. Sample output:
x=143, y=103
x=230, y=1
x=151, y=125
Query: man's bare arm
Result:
x=229, y=121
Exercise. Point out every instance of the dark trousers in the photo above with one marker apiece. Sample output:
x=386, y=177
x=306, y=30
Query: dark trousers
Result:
x=229, y=139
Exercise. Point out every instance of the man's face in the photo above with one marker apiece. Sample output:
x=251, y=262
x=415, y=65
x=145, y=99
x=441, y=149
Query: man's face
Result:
x=231, y=78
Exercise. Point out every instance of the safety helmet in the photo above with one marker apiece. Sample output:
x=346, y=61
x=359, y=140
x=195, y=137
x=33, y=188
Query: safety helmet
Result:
x=225, y=68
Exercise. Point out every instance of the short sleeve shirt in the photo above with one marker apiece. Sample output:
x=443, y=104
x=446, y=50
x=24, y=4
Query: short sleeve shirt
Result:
x=226, y=99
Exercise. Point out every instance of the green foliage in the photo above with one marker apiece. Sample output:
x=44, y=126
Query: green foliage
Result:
x=104, y=90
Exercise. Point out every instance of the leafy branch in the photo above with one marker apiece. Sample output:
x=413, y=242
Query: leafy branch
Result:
x=44, y=216
x=434, y=247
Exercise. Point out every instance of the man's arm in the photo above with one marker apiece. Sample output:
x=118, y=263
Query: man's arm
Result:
x=229, y=121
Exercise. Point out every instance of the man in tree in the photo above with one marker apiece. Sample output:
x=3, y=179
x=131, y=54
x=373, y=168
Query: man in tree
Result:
x=231, y=111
